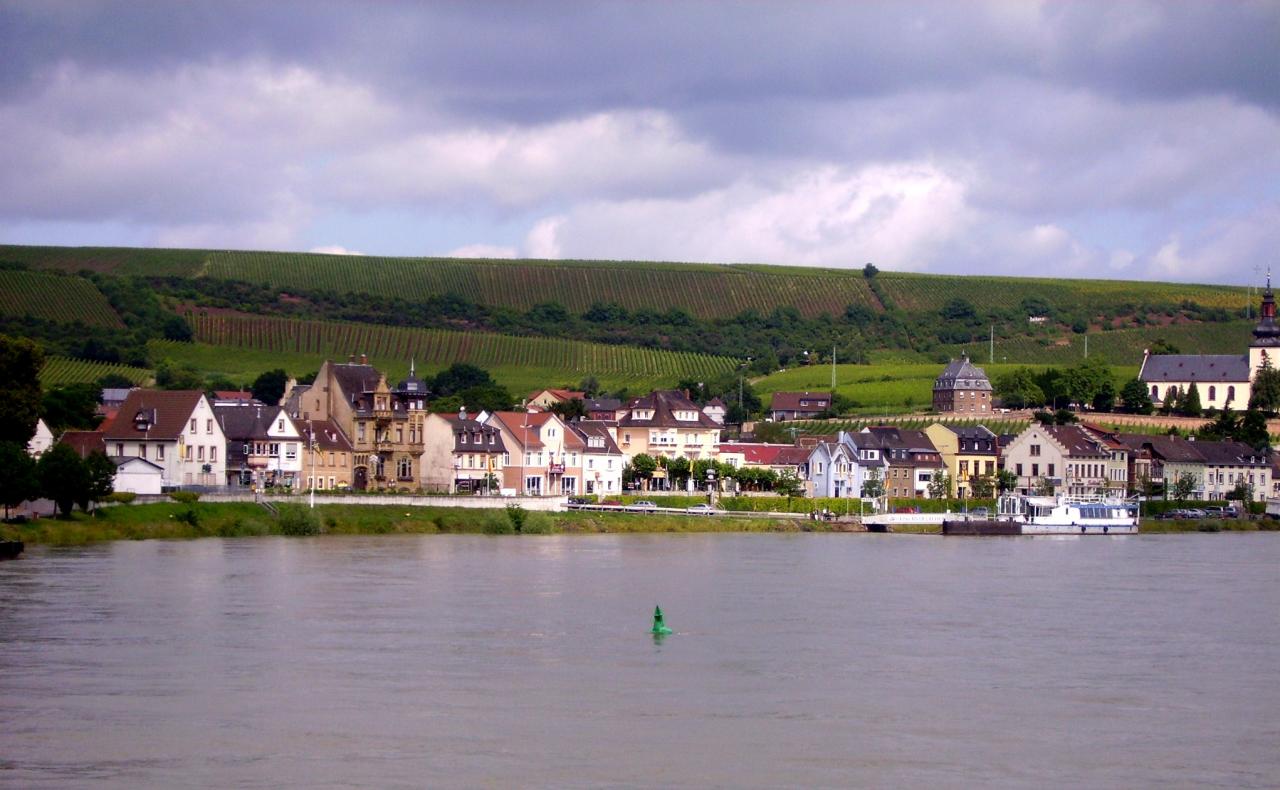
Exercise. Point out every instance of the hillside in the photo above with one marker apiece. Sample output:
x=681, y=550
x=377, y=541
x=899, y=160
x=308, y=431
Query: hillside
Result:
x=703, y=290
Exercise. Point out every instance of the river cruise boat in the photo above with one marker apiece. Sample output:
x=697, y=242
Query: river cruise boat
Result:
x=1053, y=515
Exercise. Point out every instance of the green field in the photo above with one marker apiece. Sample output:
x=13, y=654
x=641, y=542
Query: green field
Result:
x=54, y=297
x=1119, y=347
x=60, y=370
x=884, y=388
x=704, y=290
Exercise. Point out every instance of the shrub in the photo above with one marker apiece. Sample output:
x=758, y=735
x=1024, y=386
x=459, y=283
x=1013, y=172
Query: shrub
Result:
x=123, y=497
x=185, y=497
x=495, y=524
x=538, y=524
x=516, y=515
x=188, y=516
x=296, y=520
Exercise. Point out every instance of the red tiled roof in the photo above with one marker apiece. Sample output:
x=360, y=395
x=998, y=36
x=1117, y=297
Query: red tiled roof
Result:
x=232, y=395
x=84, y=442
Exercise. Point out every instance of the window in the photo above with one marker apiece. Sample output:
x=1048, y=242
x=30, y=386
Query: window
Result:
x=193, y=424
x=404, y=469
x=120, y=450
x=359, y=432
x=1155, y=392
x=1051, y=470
x=399, y=435
x=279, y=425
x=1035, y=451
x=188, y=454
x=160, y=452
x=213, y=454
x=208, y=426
x=464, y=437
x=200, y=453
x=1035, y=470
x=1231, y=394
x=1213, y=393
x=1018, y=468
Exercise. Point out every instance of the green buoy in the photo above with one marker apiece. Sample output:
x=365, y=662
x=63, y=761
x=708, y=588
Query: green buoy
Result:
x=659, y=627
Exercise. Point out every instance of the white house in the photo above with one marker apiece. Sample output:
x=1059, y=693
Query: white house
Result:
x=843, y=468
x=176, y=430
x=602, y=461
x=42, y=441
x=138, y=476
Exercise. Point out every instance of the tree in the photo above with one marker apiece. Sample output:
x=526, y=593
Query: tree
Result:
x=1183, y=487
x=677, y=470
x=1225, y=426
x=643, y=466
x=269, y=386
x=1265, y=393
x=1105, y=398
x=101, y=481
x=940, y=486
x=18, y=483
x=1243, y=492
x=71, y=407
x=789, y=485
x=1018, y=389
x=20, y=364
x=63, y=477
x=590, y=387
x=489, y=397
x=114, y=381
x=1135, y=398
x=959, y=310
x=1253, y=430
x=873, y=486
x=982, y=486
x=458, y=377
x=870, y=271
x=569, y=409
x=1006, y=481
x=1162, y=346
x=177, y=377
x=1189, y=406
x=1043, y=487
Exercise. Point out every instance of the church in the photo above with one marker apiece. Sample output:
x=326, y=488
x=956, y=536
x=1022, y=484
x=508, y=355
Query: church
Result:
x=1222, y=379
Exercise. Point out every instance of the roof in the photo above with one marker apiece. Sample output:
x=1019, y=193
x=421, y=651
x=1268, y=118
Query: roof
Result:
x=561, y=395
x=800, y=401
x=1171, y=448
x=1229, y=453
x=1078, y=442
x=166, y=413
x=1201, y=368
x=756, y=454
x=971, y=431
x=84, y=442
x=114, y=394
x=664, y=404
x=329, y=436
x=603, y=404
x=962, y=375
x=525, y=426
x=479, y=436
x=596, y=429
x=123, y=460
x=355, y=379
x=715, y=403
x=244, y=422
x=232, y=395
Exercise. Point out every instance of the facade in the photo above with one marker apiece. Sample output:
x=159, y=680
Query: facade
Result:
x=138, y=476
x=544, y=458
x=967, y=453
x=326, y=456
x=545, y=399
x=607, y=409
x=798, y=405
x=1070, y=458
x=176, y=430
x=264, y=446
x=1221, y=379
x=962, y=388
x=911, y=461
x=841, y=469
x=462, y=455
x=602, y=460
x=665, y=423
x=1230, y=464
x=716, y=410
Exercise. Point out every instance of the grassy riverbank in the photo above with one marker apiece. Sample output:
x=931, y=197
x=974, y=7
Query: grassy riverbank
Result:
x=230, y=520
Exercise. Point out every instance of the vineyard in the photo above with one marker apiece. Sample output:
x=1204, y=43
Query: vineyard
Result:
x=54, y=297
x=61, y=370
x=929, y=292
x=883, y=388
x=1117, y=346
x=561, y=360
x=996, y=423
x=109, y=260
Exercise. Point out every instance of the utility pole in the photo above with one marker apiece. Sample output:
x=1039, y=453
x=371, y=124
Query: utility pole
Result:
x=992, y=360
x=1086, y=346
x=833, y=369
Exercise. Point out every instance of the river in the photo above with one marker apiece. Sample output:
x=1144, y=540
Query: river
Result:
x=798, y=660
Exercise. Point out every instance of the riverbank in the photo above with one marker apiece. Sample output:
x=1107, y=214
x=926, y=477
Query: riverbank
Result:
x=174, y=521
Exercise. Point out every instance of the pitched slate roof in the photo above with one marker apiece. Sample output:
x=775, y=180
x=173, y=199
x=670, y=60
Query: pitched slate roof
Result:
x=1078, y=442
x=356, y=379
x=603, y=404
x=480, y=438
x=664, y=404
x=800, y=401
x=1170, y=448
x=1200, y=368
x=1228, y=453
x=245, y=422
x=962, y=375
x=596, y=429
x=166, y=411
x=329, y=436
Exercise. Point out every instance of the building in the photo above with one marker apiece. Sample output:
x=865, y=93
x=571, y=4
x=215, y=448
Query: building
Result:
x=962, y=388
x=176, y=430
x=602, y=460
x=1228, y=465
x=138, y=476
x=842, y=468
x=462, y=455
x=912, y=461
x=799, y=405
x=1069, y=458
x=716, y=410
x=545, y=399
x=1221, y=379
x=966, y=452
x=264, y=446
x=544, y=456
x=607, y=409
x=84, y=442
x=326, y=455
x=41, y=441
x=666, y=423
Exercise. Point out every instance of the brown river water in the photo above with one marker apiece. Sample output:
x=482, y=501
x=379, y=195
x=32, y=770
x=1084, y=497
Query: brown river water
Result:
x=797, y=660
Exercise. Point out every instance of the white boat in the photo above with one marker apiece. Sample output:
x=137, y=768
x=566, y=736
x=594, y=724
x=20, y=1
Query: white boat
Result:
x=1063, y=515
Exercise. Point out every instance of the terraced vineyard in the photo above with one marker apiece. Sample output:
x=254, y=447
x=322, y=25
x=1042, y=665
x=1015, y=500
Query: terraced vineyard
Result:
x=61, y=370
x=141, y=261
x=439, y=347
x=1120, y=346
x=54, y=297
x=997, y=423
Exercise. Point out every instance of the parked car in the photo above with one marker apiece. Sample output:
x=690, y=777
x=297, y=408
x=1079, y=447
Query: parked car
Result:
x=1170, y=515
x=980, y=512
x=1219, y=512
x=643, y=506
x=703, y=510
x=1194, y=512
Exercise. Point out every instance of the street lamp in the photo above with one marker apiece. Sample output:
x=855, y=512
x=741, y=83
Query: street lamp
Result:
x=311, y=441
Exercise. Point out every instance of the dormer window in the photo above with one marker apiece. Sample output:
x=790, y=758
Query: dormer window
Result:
x=142, y=421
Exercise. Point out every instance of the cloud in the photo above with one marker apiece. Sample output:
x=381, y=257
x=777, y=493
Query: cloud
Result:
x=334, y=250
x=482, y=251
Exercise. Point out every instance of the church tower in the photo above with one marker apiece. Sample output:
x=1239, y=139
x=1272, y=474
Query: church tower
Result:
x=1266, y=335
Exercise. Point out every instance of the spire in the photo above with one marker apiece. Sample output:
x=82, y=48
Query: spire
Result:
x=1267, y=332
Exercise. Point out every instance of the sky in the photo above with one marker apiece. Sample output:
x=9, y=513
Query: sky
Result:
x=1136, y=140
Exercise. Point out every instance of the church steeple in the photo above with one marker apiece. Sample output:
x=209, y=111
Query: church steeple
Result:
x=1267, y=332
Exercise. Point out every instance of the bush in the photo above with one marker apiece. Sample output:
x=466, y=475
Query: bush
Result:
x=538, y=524
x=123, y=497
x=295, y=520
x=496, y=524
x=185, y=497
x=517, y=516
x=188, y=516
